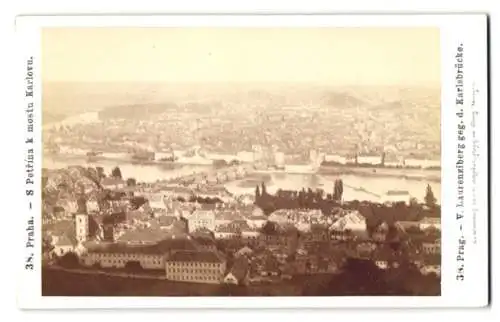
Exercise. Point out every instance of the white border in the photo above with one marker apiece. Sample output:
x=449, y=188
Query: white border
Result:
x=470, y=29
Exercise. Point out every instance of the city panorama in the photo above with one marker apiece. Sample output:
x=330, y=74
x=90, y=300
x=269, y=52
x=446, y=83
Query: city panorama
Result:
x=241, y=162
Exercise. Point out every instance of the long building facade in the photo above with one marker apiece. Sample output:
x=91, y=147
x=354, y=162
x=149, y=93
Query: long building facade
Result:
x=182, y=260
x=196, y=267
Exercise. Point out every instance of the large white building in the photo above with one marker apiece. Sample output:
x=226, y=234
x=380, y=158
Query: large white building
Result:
x=118, y=255
x=256, y=219
x=246, y=156
x=201, y=218
x=92, y=206
x=119, y=259
x=279, y=159
x=428, y=222
x=62, y=245
x=336, y=158
x=352, y=221
x=113, y=183
x=195, y=267
x=156, y=200
x=370, y=159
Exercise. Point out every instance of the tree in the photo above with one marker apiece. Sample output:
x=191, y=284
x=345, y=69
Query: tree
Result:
x=357, y=277
x=257, y=192
x=413, y=202
x=116, y=173
x=47, y=246
x=338, y=190
x=69, y=260
x=268, y=229
x=430, y=200
x=100, y=172
x=133, y=266
x=220, y=163
x=131, y=182
x=263, y=190
x=137, y=202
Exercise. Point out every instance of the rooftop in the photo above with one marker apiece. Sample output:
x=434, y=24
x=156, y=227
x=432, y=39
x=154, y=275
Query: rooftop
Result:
x=195, y=256
x=227, y=214
x=352, y=218
x=146, y=235
x=202, y=213
x=64, y=241
x=159, y=248
x=431, y=220
x=177, y=189
x=208, y=207
x=227, y=229
x=165, y=221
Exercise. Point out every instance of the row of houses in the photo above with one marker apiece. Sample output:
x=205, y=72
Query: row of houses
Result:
x=192, y=258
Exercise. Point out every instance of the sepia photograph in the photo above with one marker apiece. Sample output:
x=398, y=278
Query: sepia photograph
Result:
x=231, y=161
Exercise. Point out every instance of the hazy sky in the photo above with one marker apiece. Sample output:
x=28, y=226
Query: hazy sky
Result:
x=340, y=56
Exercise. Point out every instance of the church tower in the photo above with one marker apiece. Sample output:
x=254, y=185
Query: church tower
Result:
x=82, y=227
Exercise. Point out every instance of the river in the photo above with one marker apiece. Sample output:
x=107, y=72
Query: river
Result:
x=356, y=187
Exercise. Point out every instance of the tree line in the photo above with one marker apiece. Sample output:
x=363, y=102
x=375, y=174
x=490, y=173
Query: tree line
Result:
x=328, y=202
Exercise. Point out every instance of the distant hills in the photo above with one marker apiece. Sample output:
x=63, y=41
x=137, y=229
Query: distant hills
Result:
x=341, y=99
x=144, y=100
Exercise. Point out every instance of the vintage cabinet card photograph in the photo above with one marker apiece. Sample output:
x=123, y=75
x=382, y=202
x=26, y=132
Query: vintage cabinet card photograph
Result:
x=246, y=161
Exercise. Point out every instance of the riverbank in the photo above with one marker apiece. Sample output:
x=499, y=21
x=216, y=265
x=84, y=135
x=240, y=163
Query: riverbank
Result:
x=366, y=183
x=400, y=173
x=430, y=175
